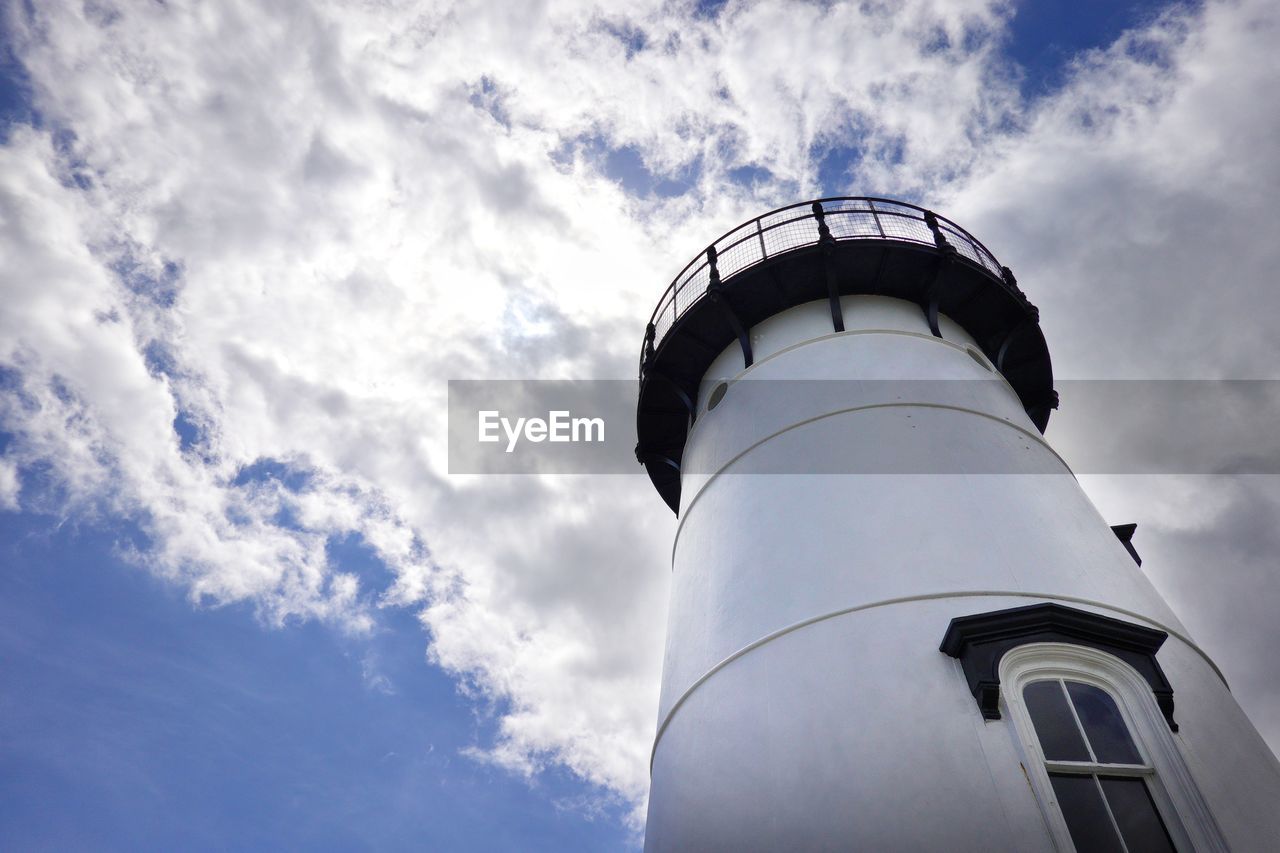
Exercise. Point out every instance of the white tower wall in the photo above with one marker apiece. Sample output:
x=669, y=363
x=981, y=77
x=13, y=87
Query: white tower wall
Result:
x=805, y=703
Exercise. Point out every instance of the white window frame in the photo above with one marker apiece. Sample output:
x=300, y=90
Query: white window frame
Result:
x=1181, y=806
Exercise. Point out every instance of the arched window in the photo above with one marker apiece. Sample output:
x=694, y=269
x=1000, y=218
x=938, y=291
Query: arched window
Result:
x=1099, y=753
x=1099, y=779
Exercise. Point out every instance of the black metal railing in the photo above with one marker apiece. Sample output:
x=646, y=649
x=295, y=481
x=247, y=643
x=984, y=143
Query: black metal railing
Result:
x=809, y=223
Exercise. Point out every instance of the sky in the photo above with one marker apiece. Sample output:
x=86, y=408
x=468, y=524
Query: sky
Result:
x=244, y=246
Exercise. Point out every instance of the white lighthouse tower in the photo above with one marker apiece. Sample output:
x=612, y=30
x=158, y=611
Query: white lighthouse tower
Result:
x=897, y=622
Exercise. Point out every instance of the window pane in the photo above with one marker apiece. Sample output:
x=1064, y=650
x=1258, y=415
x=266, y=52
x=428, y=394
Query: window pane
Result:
x=1081, y=803
x=1103, y=724
x=1136, y=815
x=1059, y=735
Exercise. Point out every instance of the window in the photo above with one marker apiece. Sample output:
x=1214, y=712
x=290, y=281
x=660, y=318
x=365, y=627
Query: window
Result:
x=1099, y=754
x=1099, y=778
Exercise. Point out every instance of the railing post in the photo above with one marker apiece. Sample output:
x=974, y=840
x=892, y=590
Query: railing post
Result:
x=824, y=233
x=1006, y=275
x=828, y=244
x=764, y=253
x=939, y=239
x=715, y=292
x=934, y=294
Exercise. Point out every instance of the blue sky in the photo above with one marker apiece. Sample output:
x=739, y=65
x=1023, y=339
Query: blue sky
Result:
x=133, y=721
x=1045, y=36
x=488, y=684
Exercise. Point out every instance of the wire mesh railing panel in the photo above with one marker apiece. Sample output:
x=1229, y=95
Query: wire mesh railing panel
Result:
x=851, y=224
x=738, y=235
x=662, y=321
x=736, y=257
x=966, y=249
x=785, y=214
x=842, y=204
x=789, y=235
x=969, y=248
x=692, y=288
x=886, y=205
x=900, y=227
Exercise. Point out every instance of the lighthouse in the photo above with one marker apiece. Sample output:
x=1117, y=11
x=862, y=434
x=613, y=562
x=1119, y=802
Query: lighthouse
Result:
x=897, y=622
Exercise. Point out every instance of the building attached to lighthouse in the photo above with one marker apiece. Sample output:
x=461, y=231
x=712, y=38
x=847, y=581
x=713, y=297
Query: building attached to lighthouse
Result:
x=897, y=622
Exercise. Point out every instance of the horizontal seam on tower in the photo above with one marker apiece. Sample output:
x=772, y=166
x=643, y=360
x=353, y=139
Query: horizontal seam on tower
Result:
x=933, y=596
x=713, y=477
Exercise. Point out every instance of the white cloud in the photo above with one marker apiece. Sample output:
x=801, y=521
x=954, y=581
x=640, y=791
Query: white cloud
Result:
x=1137, y=203
x=361, y=201
x=10, y=485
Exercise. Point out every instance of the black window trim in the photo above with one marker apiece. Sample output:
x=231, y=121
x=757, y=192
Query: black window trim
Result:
x=981, y=640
